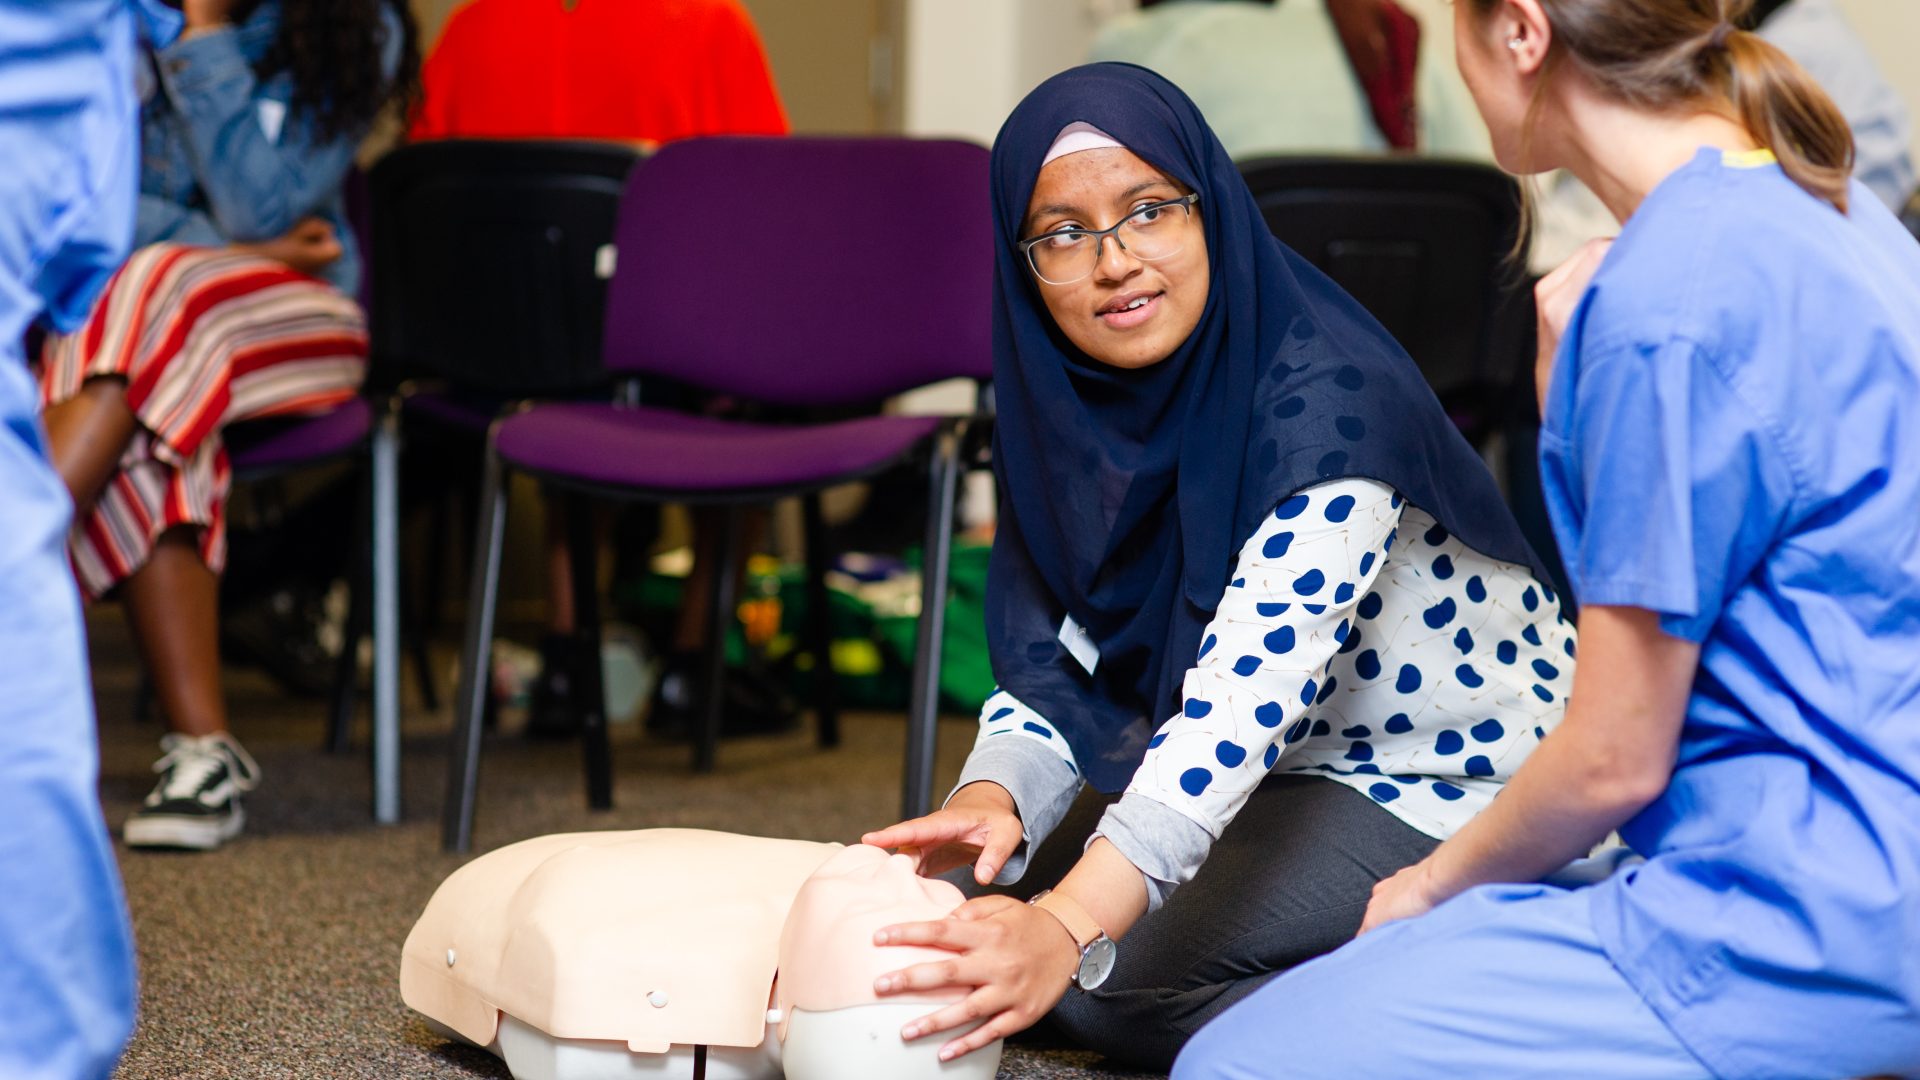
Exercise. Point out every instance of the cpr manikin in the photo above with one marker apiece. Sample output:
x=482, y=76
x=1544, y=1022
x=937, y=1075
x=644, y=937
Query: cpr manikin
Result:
x=595, y=956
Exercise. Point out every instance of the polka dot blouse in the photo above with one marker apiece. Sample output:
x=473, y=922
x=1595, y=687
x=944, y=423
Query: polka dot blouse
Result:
x=1358, y=640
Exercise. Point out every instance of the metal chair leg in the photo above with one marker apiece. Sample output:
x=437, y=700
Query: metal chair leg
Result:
x=706, y=744
x=386, y=618
x=923, y=709
x=592, y=703
x=463, y=766
x=826, y=696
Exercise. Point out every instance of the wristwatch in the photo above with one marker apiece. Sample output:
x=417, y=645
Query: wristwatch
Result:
x=1097, y=950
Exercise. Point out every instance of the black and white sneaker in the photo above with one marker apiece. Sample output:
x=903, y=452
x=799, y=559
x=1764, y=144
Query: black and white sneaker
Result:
x=196, y=805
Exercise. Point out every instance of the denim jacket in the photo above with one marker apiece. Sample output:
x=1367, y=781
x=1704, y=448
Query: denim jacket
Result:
x=222, y=158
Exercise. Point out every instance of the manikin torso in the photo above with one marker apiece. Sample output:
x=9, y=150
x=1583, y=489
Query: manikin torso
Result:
x=590, y=956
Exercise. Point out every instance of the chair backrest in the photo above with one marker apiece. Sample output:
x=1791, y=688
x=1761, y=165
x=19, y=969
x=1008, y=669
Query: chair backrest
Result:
x=1423, y=244
x=489, y=261
x=805, y=271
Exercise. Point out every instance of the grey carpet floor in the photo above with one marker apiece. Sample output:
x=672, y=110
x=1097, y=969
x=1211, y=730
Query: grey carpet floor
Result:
x=278, y=956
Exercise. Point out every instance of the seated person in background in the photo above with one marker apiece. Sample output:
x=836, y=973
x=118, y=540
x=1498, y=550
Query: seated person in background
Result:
x=643, y=71
x=1251, y=587
x=235, y=304
x=1816, y=36
x=1299, y=76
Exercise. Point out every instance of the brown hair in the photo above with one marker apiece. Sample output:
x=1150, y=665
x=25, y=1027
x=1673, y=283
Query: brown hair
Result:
x=1665, y=54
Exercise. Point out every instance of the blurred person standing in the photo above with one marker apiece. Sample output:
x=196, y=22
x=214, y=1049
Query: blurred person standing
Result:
x=66, y=216
x=1293, y=76
x=632, y=70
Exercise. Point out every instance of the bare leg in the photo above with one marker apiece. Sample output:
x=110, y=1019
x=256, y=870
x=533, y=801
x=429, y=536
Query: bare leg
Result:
x=172, y=604
x=86, y=434
x=690, y=628
x=560, y=619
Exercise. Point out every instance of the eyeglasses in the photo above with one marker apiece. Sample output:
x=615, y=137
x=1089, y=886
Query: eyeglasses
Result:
x=1154, y=231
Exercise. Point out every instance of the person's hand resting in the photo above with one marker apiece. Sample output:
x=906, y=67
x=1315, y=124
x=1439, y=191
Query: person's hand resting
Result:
x=309, y=247
x=1555, y=298
x=979, y=825
x=1403, y=896
x=206, y=14
x=1016, y=959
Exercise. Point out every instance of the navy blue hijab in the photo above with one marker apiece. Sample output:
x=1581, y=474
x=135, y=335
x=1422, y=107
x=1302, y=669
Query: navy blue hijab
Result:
x=1125, y=495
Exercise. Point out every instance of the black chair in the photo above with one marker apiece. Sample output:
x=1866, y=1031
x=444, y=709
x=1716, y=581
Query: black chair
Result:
x=1428, y=246
x=489, y=264
x=491, y=260
x=1424, y=245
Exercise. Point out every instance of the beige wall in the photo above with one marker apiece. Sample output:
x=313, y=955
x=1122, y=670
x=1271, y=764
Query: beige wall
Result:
x=969, y=62
x=1892, y=31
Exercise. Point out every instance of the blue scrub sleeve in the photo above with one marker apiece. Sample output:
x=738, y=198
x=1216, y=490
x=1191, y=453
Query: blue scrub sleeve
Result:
x=1670, y=486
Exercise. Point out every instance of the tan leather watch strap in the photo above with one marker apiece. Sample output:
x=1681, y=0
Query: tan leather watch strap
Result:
x=1079, y=924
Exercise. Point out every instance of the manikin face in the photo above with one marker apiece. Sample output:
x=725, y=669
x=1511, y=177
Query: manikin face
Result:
x=832, y=1023
x=827, y=956
x=1127, y=312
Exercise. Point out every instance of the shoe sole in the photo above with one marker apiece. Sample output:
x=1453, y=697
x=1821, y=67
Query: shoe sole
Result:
x=187, y=833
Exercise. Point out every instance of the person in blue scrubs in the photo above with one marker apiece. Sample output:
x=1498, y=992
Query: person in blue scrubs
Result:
x=1731, y=453
x=67, y=194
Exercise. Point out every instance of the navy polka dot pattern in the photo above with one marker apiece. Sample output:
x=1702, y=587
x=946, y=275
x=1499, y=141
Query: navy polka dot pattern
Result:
x=1444, y=695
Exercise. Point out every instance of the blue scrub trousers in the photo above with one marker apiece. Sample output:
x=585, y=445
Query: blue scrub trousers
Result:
x=66, y=956
x=1502, y=981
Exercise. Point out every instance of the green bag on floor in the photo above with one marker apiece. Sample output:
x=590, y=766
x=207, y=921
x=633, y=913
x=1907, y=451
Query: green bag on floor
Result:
x=966, y=674
x=872, y=649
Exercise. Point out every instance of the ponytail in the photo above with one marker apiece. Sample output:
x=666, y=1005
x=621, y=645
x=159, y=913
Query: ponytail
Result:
x=1788, y=113
x=1671, y=54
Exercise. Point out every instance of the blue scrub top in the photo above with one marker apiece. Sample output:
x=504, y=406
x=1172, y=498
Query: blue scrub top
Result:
x=1732, y=439
x=67, y=185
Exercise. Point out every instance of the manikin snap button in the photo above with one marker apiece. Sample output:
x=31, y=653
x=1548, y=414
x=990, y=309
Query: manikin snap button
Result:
x=657, y=999
x=449, y=957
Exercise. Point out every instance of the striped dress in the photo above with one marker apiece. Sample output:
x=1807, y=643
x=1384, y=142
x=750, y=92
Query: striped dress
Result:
x=204, y=337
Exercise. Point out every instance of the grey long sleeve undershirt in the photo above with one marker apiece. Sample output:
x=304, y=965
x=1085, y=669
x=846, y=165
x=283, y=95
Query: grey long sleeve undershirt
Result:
x=1165, y=845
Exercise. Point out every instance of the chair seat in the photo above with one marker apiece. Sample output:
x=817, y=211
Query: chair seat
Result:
x=658, y=449
x=288, y=442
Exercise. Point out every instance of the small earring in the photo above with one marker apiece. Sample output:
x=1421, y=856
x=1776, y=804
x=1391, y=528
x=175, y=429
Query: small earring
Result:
x=1515, y=43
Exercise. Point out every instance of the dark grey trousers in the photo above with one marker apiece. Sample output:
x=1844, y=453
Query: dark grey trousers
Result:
x=1287, y=881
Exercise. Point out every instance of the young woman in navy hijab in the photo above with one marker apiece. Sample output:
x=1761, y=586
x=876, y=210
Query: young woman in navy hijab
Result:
x=1247, y=574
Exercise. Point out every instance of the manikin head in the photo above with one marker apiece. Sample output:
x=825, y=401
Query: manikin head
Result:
x=832, y=1024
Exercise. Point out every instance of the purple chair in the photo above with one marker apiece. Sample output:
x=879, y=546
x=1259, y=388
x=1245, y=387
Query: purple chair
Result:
x=798, y=273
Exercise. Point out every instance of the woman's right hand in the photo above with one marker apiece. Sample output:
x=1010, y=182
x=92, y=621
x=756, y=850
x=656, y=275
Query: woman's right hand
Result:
x=206, y=14
x=979, y=825
x=307, y=247
x=1555, y=298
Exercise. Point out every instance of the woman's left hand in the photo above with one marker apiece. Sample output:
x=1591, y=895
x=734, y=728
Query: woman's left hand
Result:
x=1406, y=894
x=1015, y=958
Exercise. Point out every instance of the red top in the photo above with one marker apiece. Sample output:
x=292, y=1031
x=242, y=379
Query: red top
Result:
x=652, y=70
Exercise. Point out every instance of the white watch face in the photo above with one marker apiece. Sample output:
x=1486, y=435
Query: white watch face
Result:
x=1096, y=962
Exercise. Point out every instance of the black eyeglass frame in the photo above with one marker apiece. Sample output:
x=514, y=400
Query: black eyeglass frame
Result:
x=1098, y=235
